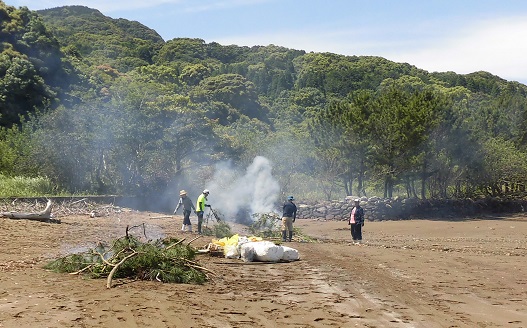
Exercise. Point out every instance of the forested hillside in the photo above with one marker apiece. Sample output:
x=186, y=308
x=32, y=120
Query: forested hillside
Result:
x=102, y=105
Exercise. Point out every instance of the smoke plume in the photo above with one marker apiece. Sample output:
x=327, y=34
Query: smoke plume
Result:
x=238, y=195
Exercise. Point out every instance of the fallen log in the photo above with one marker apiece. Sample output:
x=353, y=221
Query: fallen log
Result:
x=44, y=215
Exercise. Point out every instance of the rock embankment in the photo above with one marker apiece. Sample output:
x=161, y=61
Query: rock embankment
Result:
x=378, y=209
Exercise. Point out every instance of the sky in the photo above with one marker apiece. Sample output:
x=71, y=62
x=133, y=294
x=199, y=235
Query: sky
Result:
x=462, y=36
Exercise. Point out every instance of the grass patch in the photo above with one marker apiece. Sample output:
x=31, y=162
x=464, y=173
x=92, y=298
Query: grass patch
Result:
x=27, y=187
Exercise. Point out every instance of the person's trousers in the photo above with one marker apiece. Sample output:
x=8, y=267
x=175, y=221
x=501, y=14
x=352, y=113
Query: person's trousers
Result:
x=356, y=231
x=186, y=217
x=287, y=223
x=287, y=226
x=200, y=220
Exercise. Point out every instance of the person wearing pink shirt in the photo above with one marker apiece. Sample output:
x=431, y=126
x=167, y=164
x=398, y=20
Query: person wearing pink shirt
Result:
x=356, y=222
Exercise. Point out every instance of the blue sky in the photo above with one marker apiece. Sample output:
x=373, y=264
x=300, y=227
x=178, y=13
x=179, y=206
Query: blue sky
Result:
x=463, y=36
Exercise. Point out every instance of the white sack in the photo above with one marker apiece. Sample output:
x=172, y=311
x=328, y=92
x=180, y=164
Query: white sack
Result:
x=290, y=254
x=247, y=251
x=266, y=251
x=231, y=252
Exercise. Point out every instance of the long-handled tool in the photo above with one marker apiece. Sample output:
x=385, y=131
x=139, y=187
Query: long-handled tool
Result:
x=215, y=214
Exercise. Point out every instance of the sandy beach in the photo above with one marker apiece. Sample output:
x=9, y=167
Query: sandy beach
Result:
x=470, y=272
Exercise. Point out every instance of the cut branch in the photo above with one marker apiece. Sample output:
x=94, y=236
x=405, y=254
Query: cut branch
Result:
x=176, y=243
x=198, y=237
x=82, y=270
x=195, y=266
x=114, y=269
x=128, y=228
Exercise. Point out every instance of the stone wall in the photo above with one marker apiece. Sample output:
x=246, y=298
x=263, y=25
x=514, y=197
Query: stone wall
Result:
x=378, y=209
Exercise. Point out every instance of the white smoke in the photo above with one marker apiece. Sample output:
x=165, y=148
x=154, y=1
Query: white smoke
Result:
x=255, y=190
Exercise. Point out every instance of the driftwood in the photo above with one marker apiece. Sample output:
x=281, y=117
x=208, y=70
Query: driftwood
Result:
x=44, y=215
x=161, y=217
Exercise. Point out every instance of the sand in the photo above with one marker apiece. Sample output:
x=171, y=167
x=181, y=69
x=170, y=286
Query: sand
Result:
x=468, y=272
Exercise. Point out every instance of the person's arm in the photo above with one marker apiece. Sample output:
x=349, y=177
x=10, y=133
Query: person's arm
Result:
x=294, y=213
x=362, y=217
x=178, y=205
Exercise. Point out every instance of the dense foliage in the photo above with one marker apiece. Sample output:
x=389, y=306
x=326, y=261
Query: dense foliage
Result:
x=104, y=105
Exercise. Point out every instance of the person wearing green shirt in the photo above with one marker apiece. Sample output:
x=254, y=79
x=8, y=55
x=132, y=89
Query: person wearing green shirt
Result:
x=200, y=208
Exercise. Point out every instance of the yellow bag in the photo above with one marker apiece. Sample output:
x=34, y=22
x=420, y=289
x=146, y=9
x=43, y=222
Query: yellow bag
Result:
x=233, y=240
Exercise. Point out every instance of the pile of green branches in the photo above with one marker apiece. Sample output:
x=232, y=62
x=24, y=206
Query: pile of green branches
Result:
x=269, y=225
x=266, y=225
x=218, y=230
x=164, y=260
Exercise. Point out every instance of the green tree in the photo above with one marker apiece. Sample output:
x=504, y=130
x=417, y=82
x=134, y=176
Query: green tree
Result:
x=400, y=124
x=342, y=131
x=31, y=70
x=504, y=169
x=233, y=90
x=182, y=49
x=22, y=89
x=193, y=74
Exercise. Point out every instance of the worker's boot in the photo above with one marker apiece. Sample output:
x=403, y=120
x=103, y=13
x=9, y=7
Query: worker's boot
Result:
x=290, y=235
x=183, y=227
x=284, y=235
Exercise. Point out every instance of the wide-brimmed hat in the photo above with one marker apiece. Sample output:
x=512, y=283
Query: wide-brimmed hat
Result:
x=182, y=193
x=206, y=191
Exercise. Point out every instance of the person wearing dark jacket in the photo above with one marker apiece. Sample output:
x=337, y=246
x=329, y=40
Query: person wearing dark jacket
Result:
x=356, y=222
x=185, y=201
x=288, y=217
